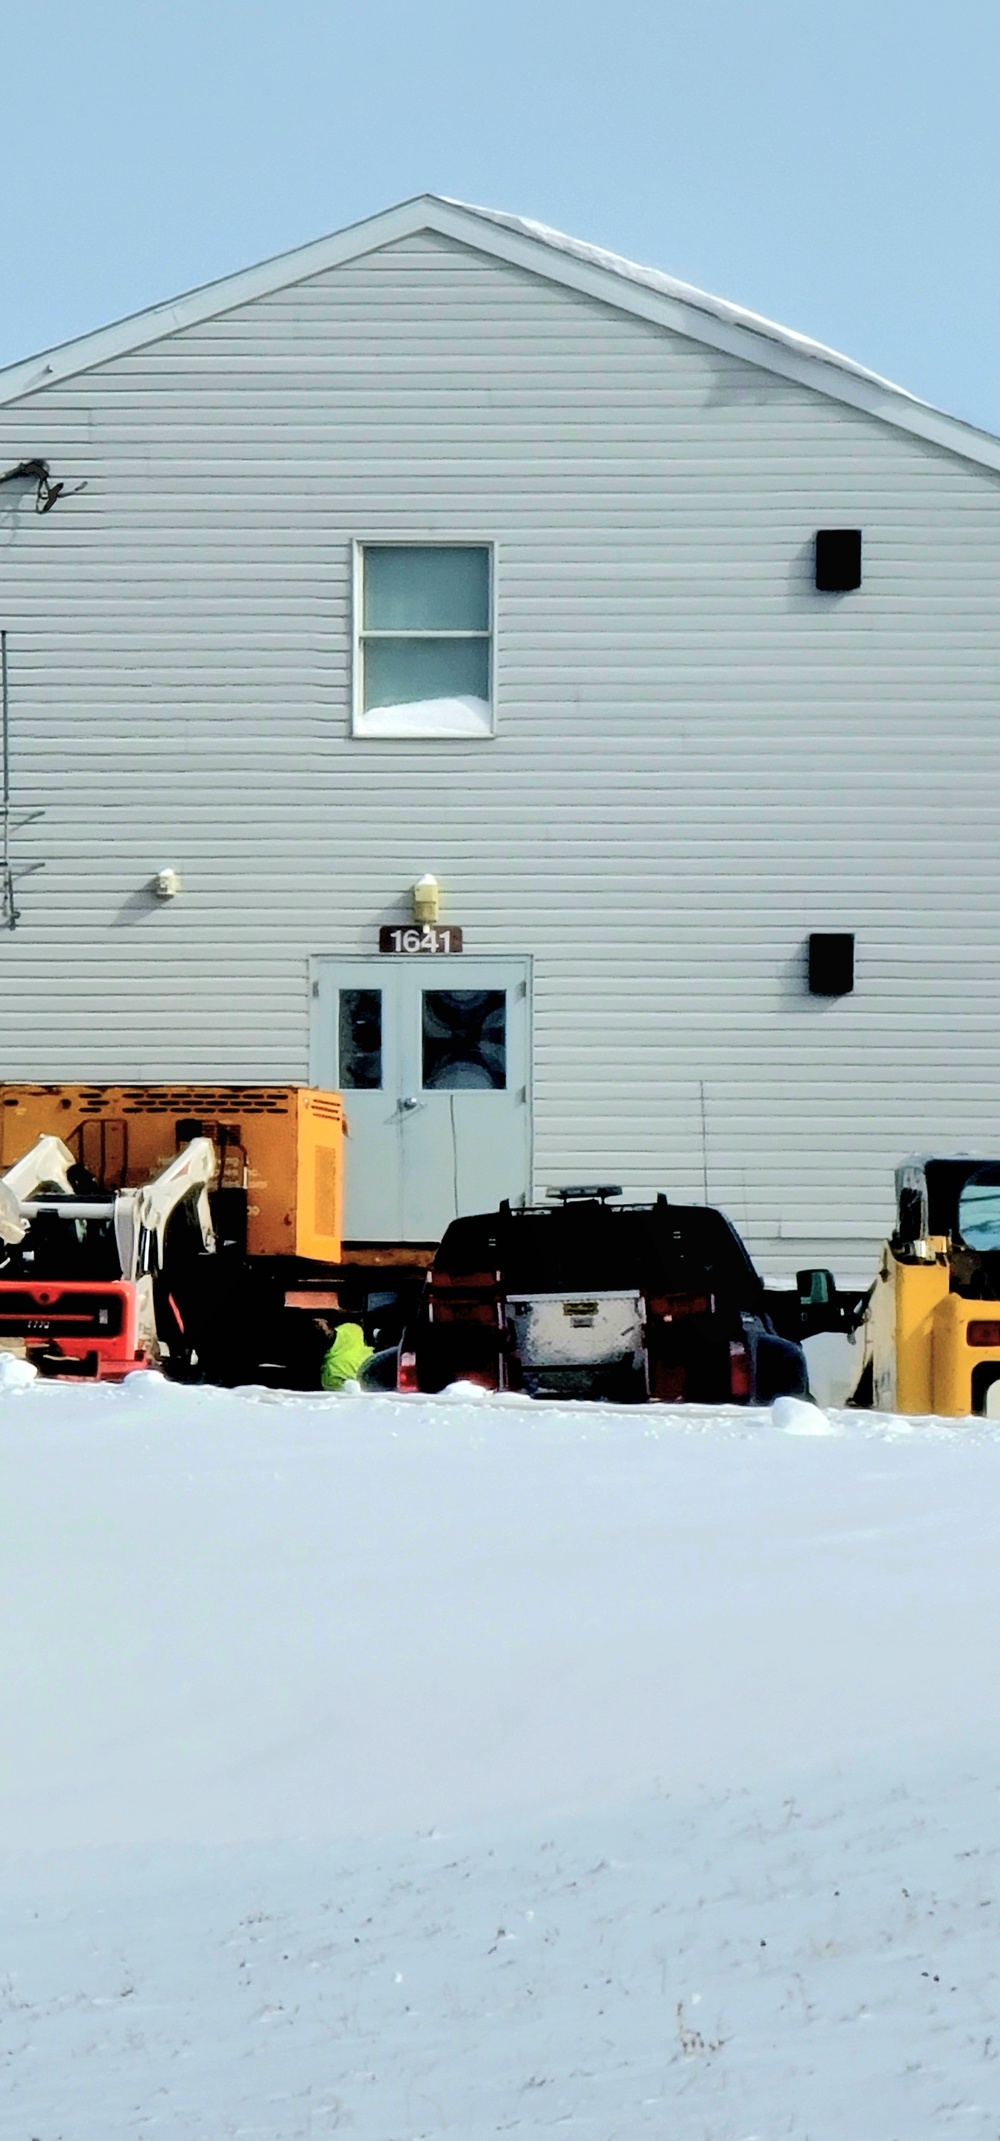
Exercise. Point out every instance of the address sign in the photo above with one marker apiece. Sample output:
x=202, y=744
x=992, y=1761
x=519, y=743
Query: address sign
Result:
x=420, y=938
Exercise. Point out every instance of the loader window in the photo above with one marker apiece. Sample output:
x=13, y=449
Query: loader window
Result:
x=361, y=1040
x=979, y=1211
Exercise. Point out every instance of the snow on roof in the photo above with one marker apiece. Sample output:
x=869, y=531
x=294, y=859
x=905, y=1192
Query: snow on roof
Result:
x=718, y=308
x=647, y=292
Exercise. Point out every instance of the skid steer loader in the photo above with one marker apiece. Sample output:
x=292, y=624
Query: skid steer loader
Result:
x=929, y=1326
x=933, y=1318
x=81, y=1274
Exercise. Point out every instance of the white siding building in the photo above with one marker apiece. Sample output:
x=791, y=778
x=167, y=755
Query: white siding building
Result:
x=448, y=545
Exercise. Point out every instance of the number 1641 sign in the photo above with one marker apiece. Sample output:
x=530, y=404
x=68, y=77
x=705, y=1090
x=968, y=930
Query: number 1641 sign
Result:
x=420, y=937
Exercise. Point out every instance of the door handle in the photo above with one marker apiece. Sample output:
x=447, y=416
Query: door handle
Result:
x=410, y=1103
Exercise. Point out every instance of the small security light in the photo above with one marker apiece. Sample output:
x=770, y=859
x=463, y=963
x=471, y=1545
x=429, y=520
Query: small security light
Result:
x=426, y=900
x=166, y=884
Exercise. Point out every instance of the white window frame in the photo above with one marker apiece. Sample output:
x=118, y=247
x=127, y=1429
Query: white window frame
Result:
x=420, y=542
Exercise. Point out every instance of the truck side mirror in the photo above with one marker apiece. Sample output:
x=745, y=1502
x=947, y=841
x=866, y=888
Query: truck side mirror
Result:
x=820, y=1306
x=817, y=1289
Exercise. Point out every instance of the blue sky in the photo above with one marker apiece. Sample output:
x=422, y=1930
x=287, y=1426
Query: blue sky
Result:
x=837, y=168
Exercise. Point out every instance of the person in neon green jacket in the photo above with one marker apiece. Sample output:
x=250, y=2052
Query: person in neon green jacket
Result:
x=346, y=1357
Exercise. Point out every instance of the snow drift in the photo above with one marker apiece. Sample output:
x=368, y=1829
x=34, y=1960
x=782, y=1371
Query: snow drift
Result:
x=441, y=1768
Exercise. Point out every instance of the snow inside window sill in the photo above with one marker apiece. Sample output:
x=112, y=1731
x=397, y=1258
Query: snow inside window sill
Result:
x=427, y=717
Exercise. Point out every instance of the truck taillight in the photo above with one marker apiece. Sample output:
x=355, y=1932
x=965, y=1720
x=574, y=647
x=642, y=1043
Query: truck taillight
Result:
x=739, y=1369
x=406, y=1372
x=982, y=1334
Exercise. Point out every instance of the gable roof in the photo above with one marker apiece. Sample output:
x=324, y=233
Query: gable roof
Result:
x=645, y=292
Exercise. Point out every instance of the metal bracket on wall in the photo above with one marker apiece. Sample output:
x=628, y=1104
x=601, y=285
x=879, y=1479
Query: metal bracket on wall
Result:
x=9, y=877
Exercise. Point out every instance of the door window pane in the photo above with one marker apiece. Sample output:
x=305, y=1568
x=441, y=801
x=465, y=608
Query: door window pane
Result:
x=416, y=588
x=464, y=1039
x=360, y=1039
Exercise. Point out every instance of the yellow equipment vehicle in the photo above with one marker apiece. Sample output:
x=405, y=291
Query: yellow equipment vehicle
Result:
x=932, y=1322
x=934, y=1314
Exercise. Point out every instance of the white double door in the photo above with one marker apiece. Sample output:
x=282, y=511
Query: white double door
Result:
x=432, y=1056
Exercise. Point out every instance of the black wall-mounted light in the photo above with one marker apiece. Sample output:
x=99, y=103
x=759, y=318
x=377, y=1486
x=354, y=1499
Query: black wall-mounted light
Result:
x=838, y=560
x=831, y=963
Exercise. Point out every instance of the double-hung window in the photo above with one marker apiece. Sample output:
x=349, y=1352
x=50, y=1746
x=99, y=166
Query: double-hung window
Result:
x=423, y=639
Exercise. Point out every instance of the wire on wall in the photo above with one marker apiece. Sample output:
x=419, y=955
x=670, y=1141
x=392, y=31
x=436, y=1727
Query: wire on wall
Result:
x=46, y=492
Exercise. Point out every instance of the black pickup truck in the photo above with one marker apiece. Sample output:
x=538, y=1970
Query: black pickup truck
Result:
x=591, y=1297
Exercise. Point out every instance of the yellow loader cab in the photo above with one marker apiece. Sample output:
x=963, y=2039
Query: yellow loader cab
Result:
x=934, y=1313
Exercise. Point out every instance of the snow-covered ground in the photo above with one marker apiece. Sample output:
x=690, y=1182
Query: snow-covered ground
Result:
x=411, y=1768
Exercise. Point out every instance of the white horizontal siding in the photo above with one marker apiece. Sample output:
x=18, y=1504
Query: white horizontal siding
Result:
x=697, y=760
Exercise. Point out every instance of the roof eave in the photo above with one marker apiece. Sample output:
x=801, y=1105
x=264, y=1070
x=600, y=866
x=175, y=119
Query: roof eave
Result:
x=210, y=300
x=521, y=248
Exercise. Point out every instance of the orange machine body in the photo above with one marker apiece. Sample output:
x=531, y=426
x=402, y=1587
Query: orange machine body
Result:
x=282, y=1143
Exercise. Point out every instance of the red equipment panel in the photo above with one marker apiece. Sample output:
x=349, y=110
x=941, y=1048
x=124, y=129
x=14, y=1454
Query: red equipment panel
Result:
x=92, y=1326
